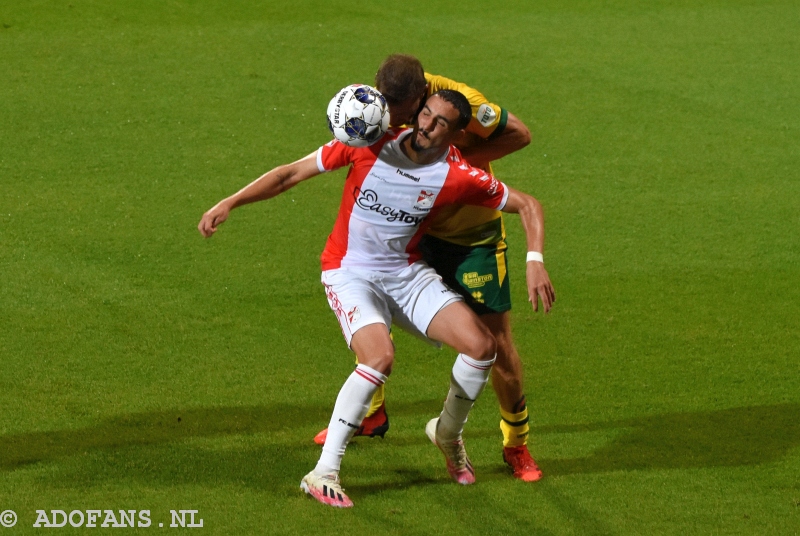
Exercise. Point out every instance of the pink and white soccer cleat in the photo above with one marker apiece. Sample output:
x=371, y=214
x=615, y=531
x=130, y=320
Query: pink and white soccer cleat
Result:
x=326, y=489
x=458, y=464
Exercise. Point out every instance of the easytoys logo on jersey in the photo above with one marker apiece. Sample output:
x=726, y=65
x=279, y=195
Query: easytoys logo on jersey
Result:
x=368, y=200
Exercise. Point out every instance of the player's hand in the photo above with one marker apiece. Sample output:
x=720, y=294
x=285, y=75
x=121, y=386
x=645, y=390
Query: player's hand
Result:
x=539, y=286
x=212, y=218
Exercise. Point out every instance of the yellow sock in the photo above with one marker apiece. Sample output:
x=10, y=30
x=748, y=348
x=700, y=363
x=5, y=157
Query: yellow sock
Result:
x=514, y=427
x=377, y=401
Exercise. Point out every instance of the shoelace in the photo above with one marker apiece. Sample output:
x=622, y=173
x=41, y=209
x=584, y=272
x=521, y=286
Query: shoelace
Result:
x=456, y=452
x=524, y=458
x=333, y=479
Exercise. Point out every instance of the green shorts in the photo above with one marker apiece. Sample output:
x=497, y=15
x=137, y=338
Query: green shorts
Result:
x=479, y=274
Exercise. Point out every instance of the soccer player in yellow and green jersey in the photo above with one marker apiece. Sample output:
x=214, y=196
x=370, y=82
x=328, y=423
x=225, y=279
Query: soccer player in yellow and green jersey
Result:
x=461, y=224
x=466, y=245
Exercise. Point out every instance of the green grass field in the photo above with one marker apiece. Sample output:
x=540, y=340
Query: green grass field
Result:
x=146, y=368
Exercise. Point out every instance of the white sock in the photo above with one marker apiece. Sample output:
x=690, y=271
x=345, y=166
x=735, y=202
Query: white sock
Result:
x=468, y=379
x=351, y=406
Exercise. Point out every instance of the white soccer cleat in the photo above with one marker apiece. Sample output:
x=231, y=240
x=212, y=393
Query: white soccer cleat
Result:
x=326, y=489
x=458, y=464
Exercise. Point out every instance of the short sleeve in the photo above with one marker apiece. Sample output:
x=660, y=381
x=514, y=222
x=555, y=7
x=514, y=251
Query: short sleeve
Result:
x=334, y=155
x=485, y=191
x=467, y=185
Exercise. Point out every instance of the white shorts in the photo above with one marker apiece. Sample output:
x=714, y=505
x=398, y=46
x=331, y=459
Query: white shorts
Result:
x=410, y=298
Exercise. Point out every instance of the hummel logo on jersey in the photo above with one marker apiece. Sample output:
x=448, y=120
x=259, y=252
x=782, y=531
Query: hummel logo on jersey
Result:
x=408, y=175
x=368, y=200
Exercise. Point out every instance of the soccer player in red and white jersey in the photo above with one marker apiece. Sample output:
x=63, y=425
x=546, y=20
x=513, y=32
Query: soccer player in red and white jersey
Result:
x=467, y=246
x=373, y=277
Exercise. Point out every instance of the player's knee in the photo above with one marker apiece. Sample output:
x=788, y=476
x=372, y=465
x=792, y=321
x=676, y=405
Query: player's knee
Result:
x=482, y=347
x=381, y=361
x=490, y=347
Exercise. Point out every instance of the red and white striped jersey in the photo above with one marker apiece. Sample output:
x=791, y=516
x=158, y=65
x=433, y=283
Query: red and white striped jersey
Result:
x=387, y=199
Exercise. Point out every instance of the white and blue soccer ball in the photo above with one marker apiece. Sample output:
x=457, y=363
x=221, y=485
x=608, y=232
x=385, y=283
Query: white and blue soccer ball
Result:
x=358, y=115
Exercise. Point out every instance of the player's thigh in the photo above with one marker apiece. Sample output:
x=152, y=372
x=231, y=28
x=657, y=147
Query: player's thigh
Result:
x=356, y=301
x=459, y=327
x=478, y=273
x=415, y=296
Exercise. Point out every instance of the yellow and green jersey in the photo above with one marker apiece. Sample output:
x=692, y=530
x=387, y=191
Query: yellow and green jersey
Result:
x=463, y=224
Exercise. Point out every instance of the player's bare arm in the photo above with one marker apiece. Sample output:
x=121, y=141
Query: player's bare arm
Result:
x=532, y=218
x=513, y=138
x=272, y=183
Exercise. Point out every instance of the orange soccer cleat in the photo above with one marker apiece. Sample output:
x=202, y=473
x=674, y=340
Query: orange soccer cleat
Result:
x=524, y=466
x=376, y=424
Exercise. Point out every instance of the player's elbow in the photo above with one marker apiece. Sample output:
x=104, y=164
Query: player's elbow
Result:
x=522, y=204
x=523, y=137
x=517, y=132
x=286, y=177
x=529, y=207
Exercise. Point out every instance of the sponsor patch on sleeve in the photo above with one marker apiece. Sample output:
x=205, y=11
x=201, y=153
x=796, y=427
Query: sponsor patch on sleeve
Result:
x=486, y=115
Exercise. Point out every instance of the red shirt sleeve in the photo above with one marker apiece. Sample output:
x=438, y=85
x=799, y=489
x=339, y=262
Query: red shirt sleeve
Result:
x=467, y=185
x=334, y=155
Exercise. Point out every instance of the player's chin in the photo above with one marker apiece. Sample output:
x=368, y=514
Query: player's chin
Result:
x=420, y=143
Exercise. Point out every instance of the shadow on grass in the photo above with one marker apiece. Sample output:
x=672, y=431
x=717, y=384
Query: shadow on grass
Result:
x=724, y=438
x=155, y=428
x=732, y=437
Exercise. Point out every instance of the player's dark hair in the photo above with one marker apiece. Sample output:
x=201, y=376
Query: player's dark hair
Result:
x=400, y=77
x=460, y=103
